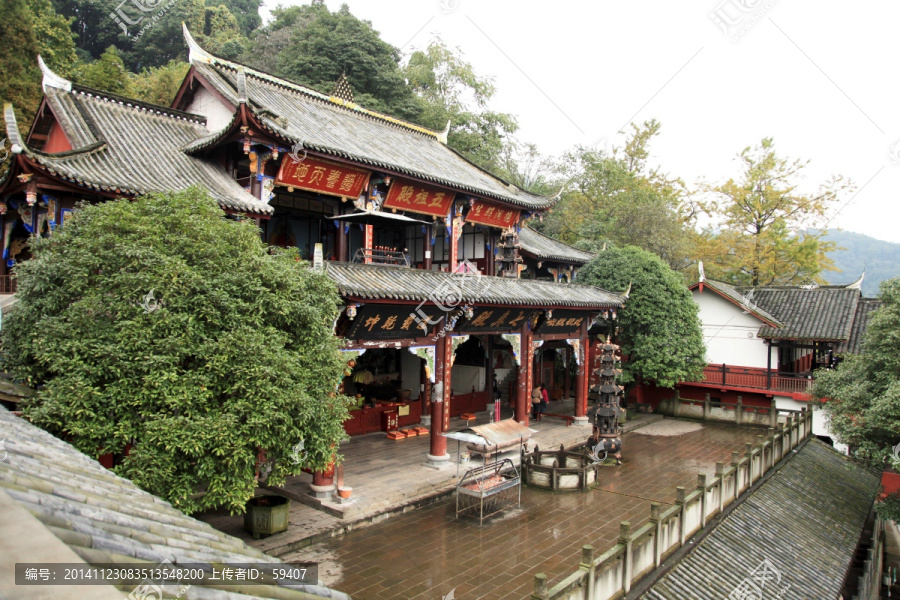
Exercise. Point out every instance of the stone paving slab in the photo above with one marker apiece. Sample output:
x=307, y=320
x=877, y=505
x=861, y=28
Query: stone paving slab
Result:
x=428, y=552
x=390, y=477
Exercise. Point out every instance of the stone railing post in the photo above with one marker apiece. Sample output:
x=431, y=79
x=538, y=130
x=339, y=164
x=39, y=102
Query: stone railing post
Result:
x=750, y=478
x=739, y=411
x=779, y=433
x=587, y=563
x=701, y=485
x=657, y=541
x=788, y=429
x=540, y=587
x=676, y=405
x=773, y=414
x=625, y=539
x=720, y=475
x=771, y=440
x=682, y=527
x=706, y=408
x=736, y=463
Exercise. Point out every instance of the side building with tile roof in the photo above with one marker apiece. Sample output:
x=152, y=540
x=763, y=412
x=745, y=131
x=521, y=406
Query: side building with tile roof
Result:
x=764, y=343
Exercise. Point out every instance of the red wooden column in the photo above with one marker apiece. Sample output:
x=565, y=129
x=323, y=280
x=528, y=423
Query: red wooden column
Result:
x=524, y=379
x=342, y=242
x=427, y=248
x=581, y=375
x=437, y=453
x=322, y=485
x=455, y=232
x=368, y=241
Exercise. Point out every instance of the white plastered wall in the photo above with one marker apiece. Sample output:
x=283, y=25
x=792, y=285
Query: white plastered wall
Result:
x=729, y=333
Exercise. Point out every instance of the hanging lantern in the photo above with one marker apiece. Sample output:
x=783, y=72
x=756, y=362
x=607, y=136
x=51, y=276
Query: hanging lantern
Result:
x=246, y=145
x=550, y=314
x=275, y=153
x=469, y=312
x=351, y=311
x=31, y=197
x=2, y=208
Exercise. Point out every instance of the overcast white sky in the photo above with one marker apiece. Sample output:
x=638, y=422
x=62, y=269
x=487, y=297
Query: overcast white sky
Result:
x=819, y=77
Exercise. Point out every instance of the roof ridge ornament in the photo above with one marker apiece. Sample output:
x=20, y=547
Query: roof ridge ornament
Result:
x=442, y=135
x=342, y=88
x=857, y=285
x=51, y=79
x=702, y=272
x=242, y=85
x=195, y=52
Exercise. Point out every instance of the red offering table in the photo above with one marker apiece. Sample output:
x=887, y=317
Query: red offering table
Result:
x=369, y=419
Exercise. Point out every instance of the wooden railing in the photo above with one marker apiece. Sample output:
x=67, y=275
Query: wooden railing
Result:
x=748, y=377
x=612, y=574
x=8, y=284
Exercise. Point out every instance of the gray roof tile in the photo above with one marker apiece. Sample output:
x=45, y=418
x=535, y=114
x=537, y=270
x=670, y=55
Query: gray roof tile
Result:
x=546, y=247
x=401, y=283
x=864, y=311
x=300, y=114
x=824, y=313
x=119, y=527
x=806, y=520
x=130, y=147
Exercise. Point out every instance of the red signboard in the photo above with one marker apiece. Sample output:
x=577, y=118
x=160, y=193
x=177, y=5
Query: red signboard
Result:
x=406, y=195
x=494, y=215
x=321, y=176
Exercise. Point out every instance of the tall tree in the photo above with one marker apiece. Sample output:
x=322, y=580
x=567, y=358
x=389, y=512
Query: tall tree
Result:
x=106, y=73
x=617, y=198
x=197, y=349
x=862, y=395
x=762, y=220
x=324, y=44
x=451, y=91
x=29, y=28
x=659, y=327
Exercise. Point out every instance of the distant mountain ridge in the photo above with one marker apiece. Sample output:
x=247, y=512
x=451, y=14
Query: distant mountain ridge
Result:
x=879, y=259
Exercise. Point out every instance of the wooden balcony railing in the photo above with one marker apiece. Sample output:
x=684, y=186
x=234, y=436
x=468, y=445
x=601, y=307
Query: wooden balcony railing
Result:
x=748, y=377
x=8, y=284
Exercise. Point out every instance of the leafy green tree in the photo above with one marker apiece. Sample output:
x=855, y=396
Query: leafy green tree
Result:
x=762, y=219
x=323, y=45
x=159, y=84
x=862, y=395
x=160, y=323
x=246, y=12
x=29, y=28
x=106, y=73
x=450, y=90
x=616, y=198
x=659, y=328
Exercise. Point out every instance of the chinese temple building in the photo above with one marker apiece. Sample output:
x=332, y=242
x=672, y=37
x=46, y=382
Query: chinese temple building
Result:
x=445, y=287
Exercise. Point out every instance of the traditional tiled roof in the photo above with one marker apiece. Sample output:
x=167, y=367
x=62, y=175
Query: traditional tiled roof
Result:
x=332, y=126
x=130, y=147
x=383, y=282
x=104, y=518
x=806, y=521
x=732, y=294
x=823, y=314
x=543, y=247
x=864, y=311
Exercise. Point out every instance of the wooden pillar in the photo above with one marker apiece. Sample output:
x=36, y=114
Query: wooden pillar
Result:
x=581, y=376
x=455, y=231
x=322, y=485
x=448, y=379
x=437, y=453
x=524, y=378
x=768, y=365
x=427, y=247
x=368, y=240
x=567, y=361
x=342, y=242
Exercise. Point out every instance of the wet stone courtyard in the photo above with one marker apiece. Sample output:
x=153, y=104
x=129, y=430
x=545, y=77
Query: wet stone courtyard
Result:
x=427, y=553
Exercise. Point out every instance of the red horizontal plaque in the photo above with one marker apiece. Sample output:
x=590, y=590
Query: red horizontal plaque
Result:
x=321, y=176
x=494, y=215
x=406, y=195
